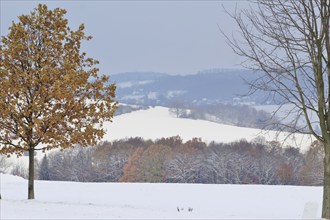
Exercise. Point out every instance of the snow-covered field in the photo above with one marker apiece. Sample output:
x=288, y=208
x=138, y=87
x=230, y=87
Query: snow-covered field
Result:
x=157, y=122
x=71, y=200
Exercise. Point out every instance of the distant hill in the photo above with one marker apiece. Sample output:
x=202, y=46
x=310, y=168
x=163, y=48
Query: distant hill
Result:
x=206, y=87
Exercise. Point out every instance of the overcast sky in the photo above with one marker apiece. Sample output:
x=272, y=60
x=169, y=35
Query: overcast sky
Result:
x=175, y=37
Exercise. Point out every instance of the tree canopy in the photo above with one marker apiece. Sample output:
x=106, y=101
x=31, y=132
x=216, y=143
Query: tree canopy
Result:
x=52, y=95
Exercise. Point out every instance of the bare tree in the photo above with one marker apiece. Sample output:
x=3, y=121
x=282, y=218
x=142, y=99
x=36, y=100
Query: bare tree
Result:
x=4, y=164
x=183, y=167
x=288, y=43
x=178, y=108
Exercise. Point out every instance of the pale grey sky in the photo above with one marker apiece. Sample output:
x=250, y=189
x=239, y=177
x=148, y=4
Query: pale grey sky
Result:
x=175, y=37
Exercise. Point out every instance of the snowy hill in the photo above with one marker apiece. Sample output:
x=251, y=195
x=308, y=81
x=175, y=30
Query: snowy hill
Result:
x=69, y=200
x=157, y=122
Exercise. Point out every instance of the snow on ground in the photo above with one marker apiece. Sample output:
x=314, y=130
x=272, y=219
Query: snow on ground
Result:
x=72, y=200
x=157, y=122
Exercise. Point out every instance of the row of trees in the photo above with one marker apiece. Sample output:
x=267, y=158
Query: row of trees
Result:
x=175, y=161
x=239, y=115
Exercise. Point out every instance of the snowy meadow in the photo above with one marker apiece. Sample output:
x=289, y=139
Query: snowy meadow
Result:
x=69, y=200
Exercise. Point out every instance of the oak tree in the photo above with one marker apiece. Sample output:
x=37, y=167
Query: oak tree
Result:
x=51, y=94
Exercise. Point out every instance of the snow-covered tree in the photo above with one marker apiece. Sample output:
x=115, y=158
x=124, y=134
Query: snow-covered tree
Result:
x=44, y=173
x=183, y=167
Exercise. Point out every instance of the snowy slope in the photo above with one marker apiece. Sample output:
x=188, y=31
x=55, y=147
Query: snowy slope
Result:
x=157, y=122
x=69, y=200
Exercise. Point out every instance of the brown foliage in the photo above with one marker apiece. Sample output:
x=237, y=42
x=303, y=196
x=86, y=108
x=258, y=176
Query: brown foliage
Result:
x=196, y=143
x=147, y=165
x=173, y=142
x=51, y=94
x=285, y=173
x=131, y=169
x=153, y=163
x=311, y=173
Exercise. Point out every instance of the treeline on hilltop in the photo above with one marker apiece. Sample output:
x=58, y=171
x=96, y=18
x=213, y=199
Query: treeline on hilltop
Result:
x=170, y=160
x=238, y=115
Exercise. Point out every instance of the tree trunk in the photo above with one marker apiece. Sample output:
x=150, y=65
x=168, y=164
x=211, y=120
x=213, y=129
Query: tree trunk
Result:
x=31, y=174
x=326, y=184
